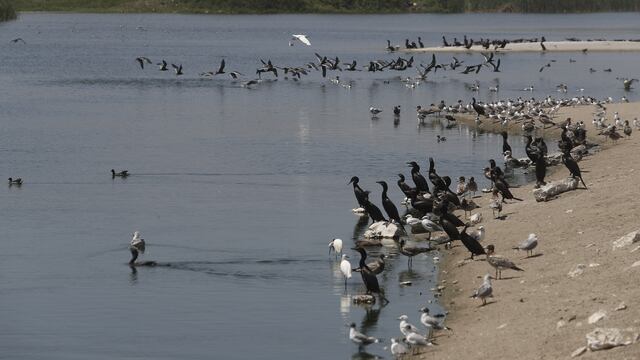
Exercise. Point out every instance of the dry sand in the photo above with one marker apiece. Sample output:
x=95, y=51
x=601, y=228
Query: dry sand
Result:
x=555, y=46
x=521, y=321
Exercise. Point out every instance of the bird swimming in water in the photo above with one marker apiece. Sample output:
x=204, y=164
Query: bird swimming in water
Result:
x=335, y=245
x=374, y=111
x=123, y=173
x=499, y=263
x=528, y=245
x=440, y=138
x=138, y=246
x=484, y=291
x=345, y=269
x=396, y=111
x=17, y=181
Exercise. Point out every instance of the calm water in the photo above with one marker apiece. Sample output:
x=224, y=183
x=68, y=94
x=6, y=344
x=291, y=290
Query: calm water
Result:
x=239, y=190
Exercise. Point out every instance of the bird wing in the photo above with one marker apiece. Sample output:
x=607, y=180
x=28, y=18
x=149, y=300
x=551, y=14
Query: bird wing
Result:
x=303, y=39
x=221, y=69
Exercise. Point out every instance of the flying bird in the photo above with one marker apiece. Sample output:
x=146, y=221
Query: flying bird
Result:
x=302, y=38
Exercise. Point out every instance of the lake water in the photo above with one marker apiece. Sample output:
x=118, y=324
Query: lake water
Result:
x=240, y=190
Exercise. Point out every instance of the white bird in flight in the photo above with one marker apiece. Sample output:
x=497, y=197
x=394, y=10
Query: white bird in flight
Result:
x=302, y=38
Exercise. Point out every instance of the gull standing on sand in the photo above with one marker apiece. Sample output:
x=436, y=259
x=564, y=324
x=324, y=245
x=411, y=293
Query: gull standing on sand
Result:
x=478, y=235
x=405, y=326
x=335, y=245
x=430, y=321
x=360, y=338
x=484, y=291
x=499, y=263
x=528, y=245
x=345, y=268
x=415, y=339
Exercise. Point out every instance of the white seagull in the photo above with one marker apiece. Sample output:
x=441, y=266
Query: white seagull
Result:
x=484, y=291
x=374, y=111
x=397, y=348
x=529, y=244
x=302, y=38
x=137, y=242
x=405, y=326
x=360, y=338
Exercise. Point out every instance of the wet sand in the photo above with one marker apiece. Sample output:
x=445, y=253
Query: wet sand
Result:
x=551, y=46
x=578, y=227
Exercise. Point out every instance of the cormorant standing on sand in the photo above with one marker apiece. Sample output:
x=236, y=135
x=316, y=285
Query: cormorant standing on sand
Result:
x=470, y=243
x=572, y=165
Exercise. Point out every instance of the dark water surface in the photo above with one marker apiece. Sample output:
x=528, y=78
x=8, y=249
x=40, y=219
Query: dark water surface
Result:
x=238, y=190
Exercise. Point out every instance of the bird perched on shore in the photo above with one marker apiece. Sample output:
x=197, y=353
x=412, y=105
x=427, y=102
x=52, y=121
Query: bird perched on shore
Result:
x=431, y=322
x=389, y=206
x=462, y=186
x=405, y=326
x=495, y=204
x=421, y=183
x=397, y=348
x=500, y=263
x=528, y=245
x=572, y=165
x=359, y=338
x=361, y=196
x=471, y=243
x=484, y=291
x=472, y=186
x=368, y=276
x=415, y=340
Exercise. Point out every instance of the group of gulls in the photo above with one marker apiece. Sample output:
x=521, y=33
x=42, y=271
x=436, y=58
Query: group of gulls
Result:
x=430, y=200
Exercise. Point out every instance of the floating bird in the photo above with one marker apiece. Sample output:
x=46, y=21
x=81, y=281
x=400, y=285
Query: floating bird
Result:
x=335, y=245
x=141, y=60
x=499, y=263
x=235, y=75
x=123, y=173
x=13, y=181
x=484, y=291
x=440, y=138
x=345, y=269
x=16, y=40
x=374, y=111
x=627, y=83
x=360, y=338
x=138, y=246
x=528, y=245
x=302, y=38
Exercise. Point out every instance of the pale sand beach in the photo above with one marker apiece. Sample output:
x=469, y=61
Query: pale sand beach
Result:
x=551, y=46
x=542, y=313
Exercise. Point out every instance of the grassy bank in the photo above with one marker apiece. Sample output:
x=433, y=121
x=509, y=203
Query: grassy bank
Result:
x=7, y=12
x=325, y=6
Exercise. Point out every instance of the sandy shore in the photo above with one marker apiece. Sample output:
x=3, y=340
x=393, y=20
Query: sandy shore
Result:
x=555, y=46
x=521, y=321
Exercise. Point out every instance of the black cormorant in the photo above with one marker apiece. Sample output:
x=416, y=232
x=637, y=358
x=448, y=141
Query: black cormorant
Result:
x=389, y=206
x=407, y=190
x=471, y=244
x=505, y=145
x=421, y=183
x=357, y=190
x=573, y=167
x=374, y=212
x=368, y=276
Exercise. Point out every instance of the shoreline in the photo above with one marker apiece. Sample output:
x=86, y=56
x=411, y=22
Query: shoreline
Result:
x=542, y=312
x=551, y=46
